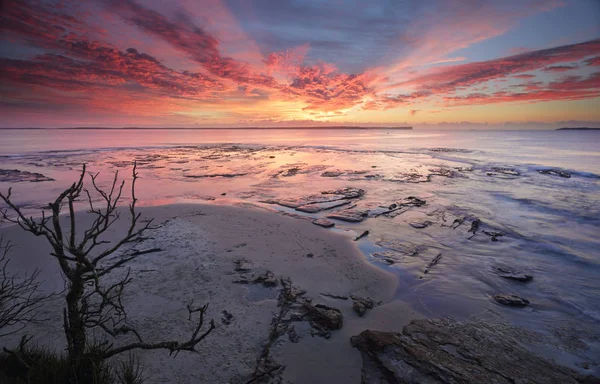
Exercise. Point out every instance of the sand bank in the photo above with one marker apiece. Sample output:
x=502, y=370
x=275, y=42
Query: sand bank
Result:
x=205, y=250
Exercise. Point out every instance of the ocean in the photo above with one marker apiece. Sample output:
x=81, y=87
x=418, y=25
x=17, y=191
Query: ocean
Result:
x=534, y=196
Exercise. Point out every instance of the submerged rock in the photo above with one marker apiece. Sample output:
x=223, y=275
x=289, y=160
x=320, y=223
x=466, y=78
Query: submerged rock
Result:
x=396, y=208
x=389, y=257
x=420, y=224
x=555, y=172
x=434, y=351
x=493, y=235
x=318, y=207
x=510, y=300
x=211, y=175
x=15, y=176
x=507, y=171
x=513, y=274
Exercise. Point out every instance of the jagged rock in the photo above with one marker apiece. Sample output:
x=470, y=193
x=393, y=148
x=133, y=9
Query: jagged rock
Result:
x=323, y=316
x=513, y=274
x=389, y=257
x=267, y=279
x=398, y=207
x=335, y=173
x=339, y=297
x=290, y=172
x=510, y=300
x=493, y=235
x=433, y=262
x=324, y=223
x=446, y=172
x=349, y=215
x=318, y=207
x=348, y=193
x=420, y=224
x=413, y=202
x=504, y=171
x=361, y=305
x=436, y=351
x=474, y=227
x=555, y=172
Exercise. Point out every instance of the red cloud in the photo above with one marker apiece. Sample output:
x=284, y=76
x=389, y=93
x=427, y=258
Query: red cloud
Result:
x=570, y=88
x=594, y=61
x=449, y=79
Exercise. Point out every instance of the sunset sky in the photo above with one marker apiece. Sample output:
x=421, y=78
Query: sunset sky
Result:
x=188, y=63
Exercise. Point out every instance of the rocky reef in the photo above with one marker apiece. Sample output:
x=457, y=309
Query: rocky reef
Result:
x=432, y=351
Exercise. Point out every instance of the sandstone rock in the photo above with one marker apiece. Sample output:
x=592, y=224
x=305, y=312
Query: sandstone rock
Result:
x=349, y=215
x=434, y=351
x=324, y=223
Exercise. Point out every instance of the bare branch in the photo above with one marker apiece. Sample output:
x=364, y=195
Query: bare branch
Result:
x=91, y=301
x=20, y=296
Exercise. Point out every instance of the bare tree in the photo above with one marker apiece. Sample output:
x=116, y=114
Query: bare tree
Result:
x=94, y=301
x=20, y=296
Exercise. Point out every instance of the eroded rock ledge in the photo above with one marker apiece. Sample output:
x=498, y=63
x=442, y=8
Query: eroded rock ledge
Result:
x=445, y=351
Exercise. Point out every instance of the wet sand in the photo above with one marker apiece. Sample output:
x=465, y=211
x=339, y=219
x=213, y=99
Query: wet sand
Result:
x=205, y=250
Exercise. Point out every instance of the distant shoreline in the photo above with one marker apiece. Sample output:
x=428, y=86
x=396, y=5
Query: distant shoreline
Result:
x=578, y=129
x=207, y=128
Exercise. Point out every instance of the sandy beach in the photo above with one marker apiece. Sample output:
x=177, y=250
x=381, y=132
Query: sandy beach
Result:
x=211, y=254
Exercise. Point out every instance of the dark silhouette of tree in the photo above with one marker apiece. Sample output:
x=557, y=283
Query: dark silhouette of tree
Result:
x=20, y=297
x=92, y=301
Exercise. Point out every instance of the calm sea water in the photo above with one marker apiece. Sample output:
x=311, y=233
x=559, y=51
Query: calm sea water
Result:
x=549, y=225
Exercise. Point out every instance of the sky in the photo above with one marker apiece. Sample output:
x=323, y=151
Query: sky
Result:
x=222, y=63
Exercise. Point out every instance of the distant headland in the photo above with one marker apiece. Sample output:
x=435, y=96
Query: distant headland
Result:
x=578, y=129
